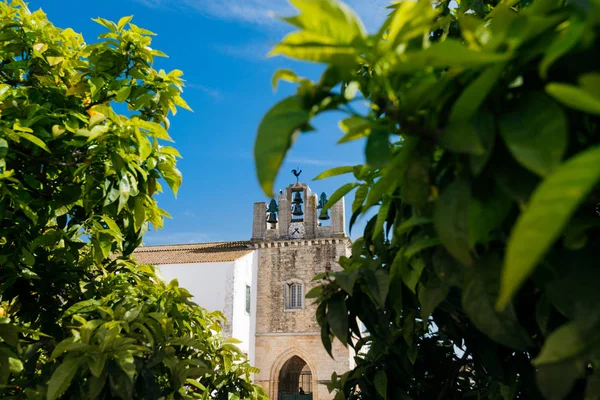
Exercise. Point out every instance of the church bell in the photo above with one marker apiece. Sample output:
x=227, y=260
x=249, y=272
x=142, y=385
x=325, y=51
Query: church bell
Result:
x=324, y=216
x=272, y=218
x=322, y=201
x=297, y=210
x=297, y=206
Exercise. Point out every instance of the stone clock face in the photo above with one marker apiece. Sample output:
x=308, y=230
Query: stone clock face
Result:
x=296, y=230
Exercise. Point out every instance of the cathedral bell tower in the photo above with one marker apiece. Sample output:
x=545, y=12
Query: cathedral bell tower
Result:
x=295, y=240
x=296, y=215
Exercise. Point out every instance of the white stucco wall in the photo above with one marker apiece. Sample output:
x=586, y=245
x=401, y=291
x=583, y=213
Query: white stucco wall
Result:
x=243, y=325
x=222, y=286
x=211, y=284
x=241, y=319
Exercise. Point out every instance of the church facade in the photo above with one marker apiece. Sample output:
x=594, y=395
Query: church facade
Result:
x=260, y=286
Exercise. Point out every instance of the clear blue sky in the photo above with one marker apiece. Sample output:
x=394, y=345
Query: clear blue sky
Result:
x=221, y=47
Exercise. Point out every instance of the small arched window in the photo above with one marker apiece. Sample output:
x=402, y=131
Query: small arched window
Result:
x=294, y=295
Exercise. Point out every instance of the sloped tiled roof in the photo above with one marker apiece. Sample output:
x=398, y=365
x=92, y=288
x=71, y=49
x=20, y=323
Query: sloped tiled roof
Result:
x=192, y=253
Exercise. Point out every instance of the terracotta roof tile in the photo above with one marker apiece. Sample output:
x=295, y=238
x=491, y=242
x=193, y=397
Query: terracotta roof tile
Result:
x=192, y=253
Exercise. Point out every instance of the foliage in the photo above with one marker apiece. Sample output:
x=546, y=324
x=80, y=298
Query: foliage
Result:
x=79, y=318
x=477, y=276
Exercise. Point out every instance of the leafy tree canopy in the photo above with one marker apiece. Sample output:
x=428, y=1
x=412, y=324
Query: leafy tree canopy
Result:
x=478, y=277
x=80, y=163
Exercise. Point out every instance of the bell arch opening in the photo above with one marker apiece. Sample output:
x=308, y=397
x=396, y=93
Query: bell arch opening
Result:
x=295, y=380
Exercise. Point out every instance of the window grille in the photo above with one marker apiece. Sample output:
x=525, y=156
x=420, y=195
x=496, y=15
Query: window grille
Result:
x=295, y=296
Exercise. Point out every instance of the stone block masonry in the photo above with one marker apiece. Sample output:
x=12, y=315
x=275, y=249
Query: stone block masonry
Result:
x=282, y=333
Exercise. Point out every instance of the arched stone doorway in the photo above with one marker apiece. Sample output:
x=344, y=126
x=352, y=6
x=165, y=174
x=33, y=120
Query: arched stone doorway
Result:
x=295, y=380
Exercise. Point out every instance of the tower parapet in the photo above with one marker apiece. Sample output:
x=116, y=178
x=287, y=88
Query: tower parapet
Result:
x=299, y=216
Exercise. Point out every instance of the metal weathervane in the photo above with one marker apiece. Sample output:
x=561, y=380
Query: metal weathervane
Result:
x=297, y=173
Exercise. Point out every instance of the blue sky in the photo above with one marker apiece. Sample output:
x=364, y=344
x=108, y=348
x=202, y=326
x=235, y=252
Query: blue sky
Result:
x=221, y=46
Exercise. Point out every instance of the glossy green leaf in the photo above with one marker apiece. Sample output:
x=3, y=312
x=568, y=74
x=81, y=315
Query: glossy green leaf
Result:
x=550, y=208
x=338, y=194
x=35, y=140
x=62, y=377
x=378, y=149
x=382, y=216
x=566, y=39
x=81, y=307
x=286, y=75
x=420, y=244
x=574, y=97
x=381, y=383
x=354, y=128
x=449, y=53
x=276, y=133
x=410, y=223
x=451, y=220
x=431, y=296
x=564, y=343
x=334, y=172
x=535, y=132
x=471, y=99
x=327, y=30
x=337, y=316
x=480, y=291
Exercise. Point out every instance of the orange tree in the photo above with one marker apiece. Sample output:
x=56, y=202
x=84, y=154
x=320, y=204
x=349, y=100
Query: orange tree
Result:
x=478, y=275
x=79, y=318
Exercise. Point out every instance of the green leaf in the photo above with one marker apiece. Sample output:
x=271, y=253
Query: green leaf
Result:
x=286, y=75
x=535, y=132
x=481, y=288
x=485, y=214
x=549, y=210
x=276, y=133
x=346, y=280
x=337, y=316
x=179, y=101
x=123, y=93
x=107, y=24
x=419, y=244
x=330, y=18
x=334, y=172
x=328, y=31
x=564, y=343
x=451, y=217
x=81, y=307
x=96, y=363
x=574, y=97
x=449, y=53
x=411, y=273
x=15, y=365
x=124, y=21
x=415, y=188
x=556, y=380
x=354, y=128
x=359, y=197
x=170, y=150
x=567, y=39
x=338, y=194
x=470, y=100
x=62, y=377
x=171, y=174
x=54, y=60
x=382, y=216
x=378, y=149
x=3, y=148
x=410, y=223
x=431, y=296
x=380, y=381
x=35, y=140
x=139, y=213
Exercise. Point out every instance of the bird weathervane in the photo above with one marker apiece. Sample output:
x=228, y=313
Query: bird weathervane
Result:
x=297, y=173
